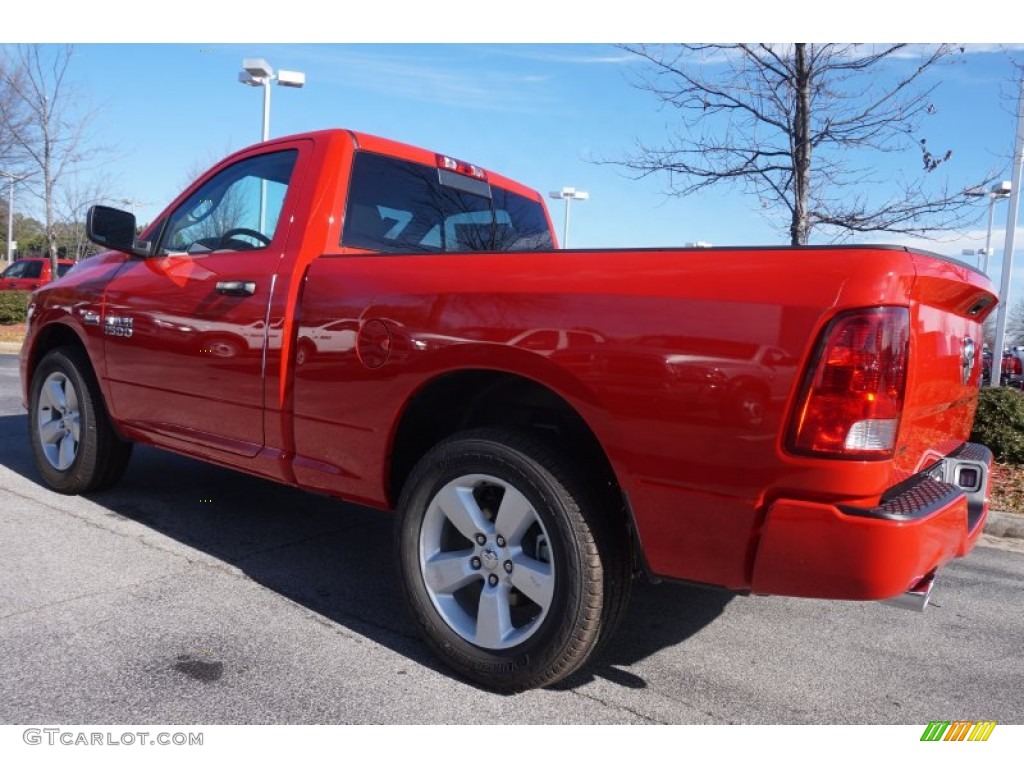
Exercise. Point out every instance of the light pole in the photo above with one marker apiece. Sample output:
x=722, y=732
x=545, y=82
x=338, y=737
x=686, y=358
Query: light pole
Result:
x=258, y=72
x=1011, y=230
x=568, y=194
x=979, y=252
x=131, y=203
x=999, y=191
x=10, y=212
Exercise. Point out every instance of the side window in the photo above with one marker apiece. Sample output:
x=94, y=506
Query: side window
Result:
x=28, y=270
x=17, y=269
x=236, y=210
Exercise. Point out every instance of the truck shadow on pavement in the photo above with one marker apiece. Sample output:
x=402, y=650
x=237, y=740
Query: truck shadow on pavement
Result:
x=333, y=558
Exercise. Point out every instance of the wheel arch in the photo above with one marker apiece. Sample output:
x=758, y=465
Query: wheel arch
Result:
x=467, y=399
x=48, y=338
x=62, y=334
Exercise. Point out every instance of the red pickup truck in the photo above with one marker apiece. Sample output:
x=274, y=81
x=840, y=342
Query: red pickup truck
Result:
x=395, y=327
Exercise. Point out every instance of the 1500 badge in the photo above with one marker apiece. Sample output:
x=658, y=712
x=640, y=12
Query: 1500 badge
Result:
x=117, y=326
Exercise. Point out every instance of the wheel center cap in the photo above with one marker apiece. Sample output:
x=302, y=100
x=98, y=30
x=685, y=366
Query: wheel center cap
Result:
x=489, y=559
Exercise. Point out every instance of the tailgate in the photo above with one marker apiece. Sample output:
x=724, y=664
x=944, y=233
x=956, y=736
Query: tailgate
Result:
x=950, y=302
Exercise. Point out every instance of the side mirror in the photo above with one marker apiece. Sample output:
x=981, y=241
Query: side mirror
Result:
x=114, y=229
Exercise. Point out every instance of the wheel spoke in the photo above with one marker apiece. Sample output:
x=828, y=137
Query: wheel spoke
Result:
x=459, y=506
x=493, y=618
x=448, y=572
x=75, y=426
x=54, y=393
x=515, y=516
x=70, y=397
x=66, y=455
x=533, y=578
x=51, y=432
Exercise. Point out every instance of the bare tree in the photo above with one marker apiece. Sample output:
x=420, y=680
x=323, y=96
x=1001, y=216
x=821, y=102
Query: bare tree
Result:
x=13, y=115
x=47, y=128
x=72, y=205
x=1015, y=325
x=796, y=125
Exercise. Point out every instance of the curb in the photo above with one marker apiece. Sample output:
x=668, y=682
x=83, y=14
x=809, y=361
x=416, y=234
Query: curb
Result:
x=1004, y=525
x=10, y=347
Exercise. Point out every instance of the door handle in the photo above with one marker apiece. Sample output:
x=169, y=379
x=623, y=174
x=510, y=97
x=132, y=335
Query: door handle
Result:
x=236, y=287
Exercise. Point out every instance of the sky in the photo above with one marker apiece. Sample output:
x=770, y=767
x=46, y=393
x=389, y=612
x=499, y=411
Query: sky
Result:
x=544, y=113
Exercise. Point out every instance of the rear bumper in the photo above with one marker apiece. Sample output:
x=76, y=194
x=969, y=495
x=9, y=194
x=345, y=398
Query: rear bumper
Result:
x=809, y=549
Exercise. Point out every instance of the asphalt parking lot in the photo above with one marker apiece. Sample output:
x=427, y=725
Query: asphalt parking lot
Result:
x=192, y=594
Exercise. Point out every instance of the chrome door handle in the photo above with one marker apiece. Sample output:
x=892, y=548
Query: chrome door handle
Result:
x=236, y=287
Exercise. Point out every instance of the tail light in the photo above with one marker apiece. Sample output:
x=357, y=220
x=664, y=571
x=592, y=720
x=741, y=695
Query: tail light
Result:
x=852, y=397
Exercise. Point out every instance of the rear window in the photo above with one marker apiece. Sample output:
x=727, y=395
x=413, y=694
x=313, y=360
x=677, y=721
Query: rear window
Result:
x=396, y=206
x=62, y=269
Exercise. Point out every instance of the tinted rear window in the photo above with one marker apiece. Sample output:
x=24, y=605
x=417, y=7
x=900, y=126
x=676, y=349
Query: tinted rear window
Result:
x=396, y=206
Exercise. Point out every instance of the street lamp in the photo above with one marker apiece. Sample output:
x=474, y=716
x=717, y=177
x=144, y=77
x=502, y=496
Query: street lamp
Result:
x=10, y=212
x=999, y=191
x=257, y=72
x=130, y=203
x=979, y=252
x=568, y=194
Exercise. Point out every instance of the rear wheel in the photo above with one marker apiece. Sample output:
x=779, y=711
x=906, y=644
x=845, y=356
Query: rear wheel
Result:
x=509, y=567
x=75, y=448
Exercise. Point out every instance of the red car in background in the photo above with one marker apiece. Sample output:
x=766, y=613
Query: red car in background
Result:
x=29, y=274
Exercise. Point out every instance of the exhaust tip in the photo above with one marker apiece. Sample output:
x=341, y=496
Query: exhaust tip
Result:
x=916, y=598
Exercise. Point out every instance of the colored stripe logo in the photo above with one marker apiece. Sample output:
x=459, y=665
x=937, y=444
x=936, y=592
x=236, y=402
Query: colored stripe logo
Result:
x=958, y=730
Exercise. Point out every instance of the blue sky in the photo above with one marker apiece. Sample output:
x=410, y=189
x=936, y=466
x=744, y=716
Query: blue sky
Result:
x=538, y=112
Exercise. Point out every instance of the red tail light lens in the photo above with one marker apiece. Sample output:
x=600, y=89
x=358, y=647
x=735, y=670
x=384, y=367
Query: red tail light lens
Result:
x=851, y=401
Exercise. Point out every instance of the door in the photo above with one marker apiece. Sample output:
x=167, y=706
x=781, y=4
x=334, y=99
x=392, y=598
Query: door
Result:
x=186, y=330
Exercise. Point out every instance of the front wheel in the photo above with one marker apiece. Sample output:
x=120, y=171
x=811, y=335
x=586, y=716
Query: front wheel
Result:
x=75, y=448
x=508, y=566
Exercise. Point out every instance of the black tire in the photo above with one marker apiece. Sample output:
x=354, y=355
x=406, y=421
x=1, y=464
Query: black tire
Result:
x=98, y=457
x=554, y=584
x=304, y=352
